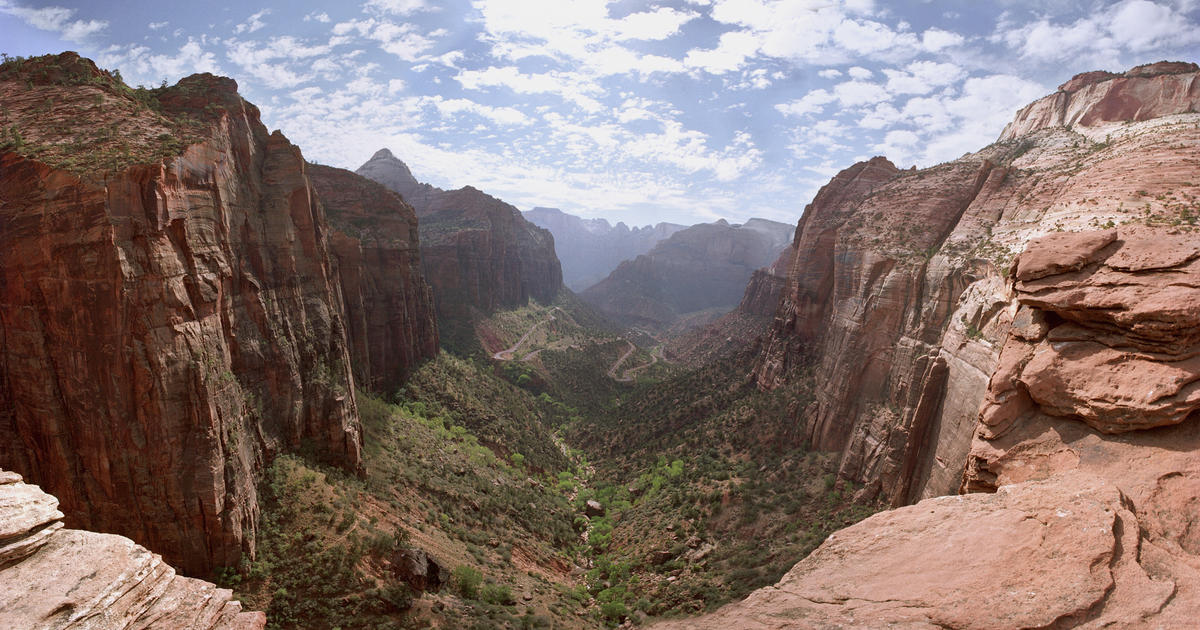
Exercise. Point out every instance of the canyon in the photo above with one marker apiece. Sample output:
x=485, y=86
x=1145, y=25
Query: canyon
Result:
x=214, y=350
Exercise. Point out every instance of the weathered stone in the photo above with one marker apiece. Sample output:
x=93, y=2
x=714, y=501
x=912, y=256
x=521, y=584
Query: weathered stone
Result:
x=78, y=580
x=1032, y=555
x=420, y=570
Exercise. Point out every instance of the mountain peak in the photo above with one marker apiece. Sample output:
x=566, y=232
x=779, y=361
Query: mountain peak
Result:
x=383, y=154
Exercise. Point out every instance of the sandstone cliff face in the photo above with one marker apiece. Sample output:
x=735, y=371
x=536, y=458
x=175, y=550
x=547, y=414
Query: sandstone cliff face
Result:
x=476, y=251
x=1083, y=473
x=702, y=267
x=897, y=297
x=62, y=579
x=1093, y=98
x=590, y=249
x=389, y=315
x=166, y=327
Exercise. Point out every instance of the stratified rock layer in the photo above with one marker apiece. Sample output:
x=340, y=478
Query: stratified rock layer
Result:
x=166, y=328
x=1036, y=555
x=62, y=579
x=390, y=321
x=1093, y=98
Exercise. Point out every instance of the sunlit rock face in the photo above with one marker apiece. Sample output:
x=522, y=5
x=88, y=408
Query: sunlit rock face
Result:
x=898, y=296
x=1040, y=355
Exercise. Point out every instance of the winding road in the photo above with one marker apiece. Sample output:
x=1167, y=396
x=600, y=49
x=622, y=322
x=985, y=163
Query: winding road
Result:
x=627, y=376
x=507, y=355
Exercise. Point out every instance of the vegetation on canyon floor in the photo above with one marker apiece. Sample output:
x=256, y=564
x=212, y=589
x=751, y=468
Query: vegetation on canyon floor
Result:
x=472, y=462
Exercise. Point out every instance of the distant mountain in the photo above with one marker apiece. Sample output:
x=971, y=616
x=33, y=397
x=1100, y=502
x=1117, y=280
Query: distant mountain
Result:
x=590, y=249
x=477, y=251
x=703, y=268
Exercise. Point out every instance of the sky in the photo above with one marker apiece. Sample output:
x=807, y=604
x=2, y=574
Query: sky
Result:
x=635, y=111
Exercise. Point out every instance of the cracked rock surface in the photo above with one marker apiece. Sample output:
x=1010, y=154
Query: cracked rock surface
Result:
x=58, y=579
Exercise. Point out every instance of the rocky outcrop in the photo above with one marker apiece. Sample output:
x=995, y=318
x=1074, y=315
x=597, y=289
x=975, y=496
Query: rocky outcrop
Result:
x=63, y=579
x=590, y=249
x=897, y=297
x=703, y=267
x=1107, y=346
x=476, y=251
x=386, y=169
x=388, y=307
x=165, y=327
x=1092, y=98
x=1065, y=552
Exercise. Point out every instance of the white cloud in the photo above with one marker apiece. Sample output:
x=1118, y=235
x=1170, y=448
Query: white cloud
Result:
x=1136, y=26
x=498, y=115
x=405, y=41
x=733, y=50
x=397, y=7
x=830, y=73
x=141, y=66
x=154, y=26
x=321, y=17
x=852, y=93
x=812, y=103
x=859, y=72
x=570, y=86
x=254, y=23
x=573, y=29
x=921, y=77
x=56, y=19
x=936, y=39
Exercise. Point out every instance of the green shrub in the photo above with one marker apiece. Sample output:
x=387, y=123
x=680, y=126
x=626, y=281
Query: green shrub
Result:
x=466, y=581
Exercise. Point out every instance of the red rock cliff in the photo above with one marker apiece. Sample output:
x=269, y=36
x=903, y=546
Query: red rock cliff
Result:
x=1091, y=98
x=389, y=313
x=896, y=296
x=167, y=326
x=1062, y=391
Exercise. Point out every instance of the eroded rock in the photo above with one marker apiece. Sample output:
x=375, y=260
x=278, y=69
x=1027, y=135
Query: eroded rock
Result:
x=66, y=579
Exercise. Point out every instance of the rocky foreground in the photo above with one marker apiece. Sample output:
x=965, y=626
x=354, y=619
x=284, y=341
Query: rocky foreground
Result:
x=61, y=579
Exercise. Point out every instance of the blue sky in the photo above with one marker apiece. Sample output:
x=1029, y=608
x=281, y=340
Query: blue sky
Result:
x=641, y=111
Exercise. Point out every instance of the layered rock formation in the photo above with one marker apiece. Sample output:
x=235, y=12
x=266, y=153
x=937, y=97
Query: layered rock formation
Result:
x=389, y=314
x=1083, y=473
x=591, y=249
x=706, y=266
x=476, y=251
x=165, y=327
x=1093, y=98
x=897, y=296
x=63, y=579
